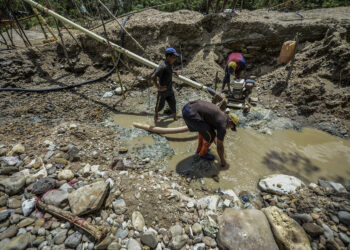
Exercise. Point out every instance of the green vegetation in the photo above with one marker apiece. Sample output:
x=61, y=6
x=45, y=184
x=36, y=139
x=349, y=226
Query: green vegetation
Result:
x=73, y=8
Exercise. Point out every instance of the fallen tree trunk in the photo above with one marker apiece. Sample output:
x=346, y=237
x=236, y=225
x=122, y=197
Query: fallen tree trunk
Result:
x=160, y=130
x=97, y=232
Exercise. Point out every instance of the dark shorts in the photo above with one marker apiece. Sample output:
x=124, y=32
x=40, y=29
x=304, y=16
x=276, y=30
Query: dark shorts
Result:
x=170, y=98
x=194, y=125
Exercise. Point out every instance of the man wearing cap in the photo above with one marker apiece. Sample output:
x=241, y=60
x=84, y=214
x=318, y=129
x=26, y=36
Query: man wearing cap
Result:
x=165, y=86
x=206, y=118
x=235, y=64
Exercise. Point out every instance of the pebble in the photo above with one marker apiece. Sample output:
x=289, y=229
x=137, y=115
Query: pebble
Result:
x=302, y=218
x=133, y=245
x=119, y=206
x=344, y=238
x=328, y=233
x=344, y=217
x=73, y=240
x=65, y=174
x=209, y=241
x=138, y=221
x=176, y=230
x=312, y=229
x=26, y=222
x=28, y=206
x=60, y=237
x=335, y=218
x=150, y=239
x=196, y=229
x=9, y=232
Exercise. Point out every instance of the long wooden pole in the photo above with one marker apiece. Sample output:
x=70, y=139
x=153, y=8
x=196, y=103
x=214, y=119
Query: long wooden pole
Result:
x=117, y=47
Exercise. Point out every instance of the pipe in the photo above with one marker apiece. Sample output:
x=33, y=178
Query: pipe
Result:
x=117, y=47
x=160, y=130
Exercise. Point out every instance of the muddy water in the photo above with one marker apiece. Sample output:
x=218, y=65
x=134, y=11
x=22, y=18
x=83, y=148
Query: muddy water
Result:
x=309, y=155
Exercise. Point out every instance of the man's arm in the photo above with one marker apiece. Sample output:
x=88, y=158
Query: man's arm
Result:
x=221, y=151
x=155, y=81
x=158, y=73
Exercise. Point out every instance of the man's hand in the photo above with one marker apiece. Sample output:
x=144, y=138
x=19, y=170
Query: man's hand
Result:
x=176, y=73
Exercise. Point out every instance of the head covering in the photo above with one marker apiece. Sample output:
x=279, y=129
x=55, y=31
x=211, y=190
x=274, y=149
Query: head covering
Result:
x=232, y=66
x=170, y=51
x=234, y=118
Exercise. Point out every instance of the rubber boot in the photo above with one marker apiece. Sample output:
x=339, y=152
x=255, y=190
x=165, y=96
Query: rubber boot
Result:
x=204, y=152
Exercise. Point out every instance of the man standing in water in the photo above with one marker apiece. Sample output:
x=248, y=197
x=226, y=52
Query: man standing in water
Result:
x=205, y=118
x=165, y=86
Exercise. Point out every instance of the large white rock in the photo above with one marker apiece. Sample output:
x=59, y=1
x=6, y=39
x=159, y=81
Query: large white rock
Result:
x=288, y=233
x=245, y=229
x=65, y=174
x=88, y=198
x=209, y=202
x=17, y=150
x=280, y=184
x=138, y=221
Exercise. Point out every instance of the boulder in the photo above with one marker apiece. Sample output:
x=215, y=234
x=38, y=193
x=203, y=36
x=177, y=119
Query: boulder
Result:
x=280, y=184
x=13, y=184
x=88, y=198
x=137, y=221
x=245, y=229
x=288, y=233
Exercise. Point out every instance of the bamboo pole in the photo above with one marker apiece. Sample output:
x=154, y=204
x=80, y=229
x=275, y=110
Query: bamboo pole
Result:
x=117, y=47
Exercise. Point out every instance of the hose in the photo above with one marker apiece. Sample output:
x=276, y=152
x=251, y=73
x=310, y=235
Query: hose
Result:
x=76, y=84
x=160, y=130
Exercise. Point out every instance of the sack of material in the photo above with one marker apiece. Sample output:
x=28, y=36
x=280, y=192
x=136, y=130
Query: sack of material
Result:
x=287, y=52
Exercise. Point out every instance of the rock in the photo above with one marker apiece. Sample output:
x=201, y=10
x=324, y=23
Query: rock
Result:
x=149, y=239
x=332, y=245
x=88, y=198
x=209, y=202
x=18, y=243
x=65, y=174
x=56, y=197
x=14, y=203
x=21, y=231
x=73, y=240
x=122, y=233
x=73, y=153
x=119, y=91
x=119, y=206
x=176, y=230
x=335, y=218
x=199, y=246
x=137, y=221
x=60, y=237
x=133, y=245
x=196, y=228
x=288, y=233
x=114, y=246
x=17, y=150
x=344, y=217
x=3, y=199
x=28, y=206
x=244, y=229
x=13, y=184
x=108, y=94
x=10, y=160
x=66, y=188
x=178, y=241
x=313, y=230
x=9, y=232
x=210, y=242
x=4, y=215
x=38, y=241
x=26, y=222
x=280, y=184
x=328, y=233
x=15, y=218
x=302, y=218
x=43, y=185
x=330, y=184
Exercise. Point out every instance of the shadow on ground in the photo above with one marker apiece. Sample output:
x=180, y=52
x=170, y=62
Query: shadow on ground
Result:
x=195, y=167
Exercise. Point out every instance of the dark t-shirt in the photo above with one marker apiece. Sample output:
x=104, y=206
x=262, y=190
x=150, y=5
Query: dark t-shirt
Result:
x=211, y=114
x=165, y=74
